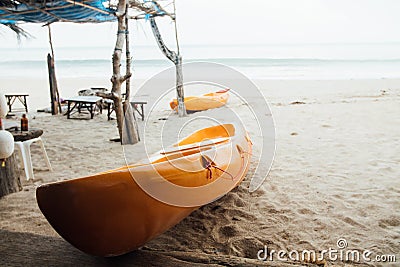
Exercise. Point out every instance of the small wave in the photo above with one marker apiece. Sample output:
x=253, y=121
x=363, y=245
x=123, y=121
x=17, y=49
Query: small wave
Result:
x=275, y=68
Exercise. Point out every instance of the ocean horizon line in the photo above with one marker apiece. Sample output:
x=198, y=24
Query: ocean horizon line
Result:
x=214, y=59
x=24, y=46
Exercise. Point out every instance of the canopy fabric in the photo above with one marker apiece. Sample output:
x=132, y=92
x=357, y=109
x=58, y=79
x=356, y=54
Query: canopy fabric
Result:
x=78, y=11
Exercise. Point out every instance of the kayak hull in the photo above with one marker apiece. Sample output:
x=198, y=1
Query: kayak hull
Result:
x=112, y=213
x=204, y=102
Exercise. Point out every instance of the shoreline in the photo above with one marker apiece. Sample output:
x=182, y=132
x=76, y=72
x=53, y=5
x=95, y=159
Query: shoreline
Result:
x=39, y=89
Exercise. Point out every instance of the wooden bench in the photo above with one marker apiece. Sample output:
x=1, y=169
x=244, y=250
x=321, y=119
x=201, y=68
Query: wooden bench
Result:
x=11, y=98
x=90, y=103
x=136, y=105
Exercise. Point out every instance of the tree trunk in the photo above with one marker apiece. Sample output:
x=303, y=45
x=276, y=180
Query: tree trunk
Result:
x=9, y=177
x=117, y=79
x=177, y=60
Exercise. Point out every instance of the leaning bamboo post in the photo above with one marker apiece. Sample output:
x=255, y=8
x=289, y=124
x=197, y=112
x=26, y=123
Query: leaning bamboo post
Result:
x=177, y=60
x=54, y=94
x=50, y=68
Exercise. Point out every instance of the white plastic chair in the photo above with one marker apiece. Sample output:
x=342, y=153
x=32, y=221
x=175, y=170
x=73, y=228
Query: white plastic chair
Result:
x=24, y=148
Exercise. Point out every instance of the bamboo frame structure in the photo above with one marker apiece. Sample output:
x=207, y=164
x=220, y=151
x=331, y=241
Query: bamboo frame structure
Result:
x=126, y=120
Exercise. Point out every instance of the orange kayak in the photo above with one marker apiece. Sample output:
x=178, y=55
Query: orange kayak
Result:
x=118, y=211
x=204, y=102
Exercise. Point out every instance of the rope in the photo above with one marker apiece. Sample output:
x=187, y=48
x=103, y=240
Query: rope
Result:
x=208, y=164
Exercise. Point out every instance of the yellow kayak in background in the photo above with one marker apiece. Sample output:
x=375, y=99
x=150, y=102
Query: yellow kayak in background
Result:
x=115, y=212
x=204, y=102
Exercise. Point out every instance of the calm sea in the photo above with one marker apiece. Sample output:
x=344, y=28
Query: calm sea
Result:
x=302, y=61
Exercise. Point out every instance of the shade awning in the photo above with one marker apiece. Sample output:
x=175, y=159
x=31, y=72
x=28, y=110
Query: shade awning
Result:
x=78, y=11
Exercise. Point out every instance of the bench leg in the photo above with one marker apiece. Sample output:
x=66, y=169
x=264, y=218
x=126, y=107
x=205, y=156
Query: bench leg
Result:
x=108, y=111
x=91, y=111
x=9, y=103
x=69, y=110
x=142, y=112
x=25, y=104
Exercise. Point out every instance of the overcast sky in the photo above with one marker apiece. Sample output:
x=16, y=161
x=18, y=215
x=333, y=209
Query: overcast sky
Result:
x=209, y=22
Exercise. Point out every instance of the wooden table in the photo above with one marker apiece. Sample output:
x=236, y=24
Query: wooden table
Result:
x=21, y=136
x=137, y=105
x=11, y=100
x=83, y=102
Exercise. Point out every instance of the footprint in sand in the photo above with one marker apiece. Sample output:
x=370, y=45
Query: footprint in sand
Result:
x=247, y=247
x=392, y=221
x=352, y=222
x=229, y=230
x=224, y=233
x=306, y=211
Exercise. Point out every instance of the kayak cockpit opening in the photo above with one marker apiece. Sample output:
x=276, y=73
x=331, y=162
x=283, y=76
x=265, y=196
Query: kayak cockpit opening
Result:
x=210, y=133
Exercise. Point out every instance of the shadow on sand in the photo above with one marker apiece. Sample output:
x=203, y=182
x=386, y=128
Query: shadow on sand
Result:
x=26, y=249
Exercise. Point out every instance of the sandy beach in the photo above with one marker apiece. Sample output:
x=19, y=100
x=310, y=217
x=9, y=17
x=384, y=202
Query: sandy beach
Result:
x=335, y=176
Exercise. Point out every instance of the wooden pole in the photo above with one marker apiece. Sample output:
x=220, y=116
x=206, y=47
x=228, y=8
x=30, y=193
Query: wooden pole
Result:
x=177, y=60
x=55, y=96
x=50, y=67
x=117, y=79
